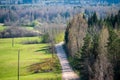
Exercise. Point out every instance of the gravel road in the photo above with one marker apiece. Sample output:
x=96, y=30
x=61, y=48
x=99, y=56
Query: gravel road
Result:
x=67, y=72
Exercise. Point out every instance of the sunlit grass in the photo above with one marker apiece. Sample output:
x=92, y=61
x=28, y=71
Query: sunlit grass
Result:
x=2, y=27
x=59, y=37
x=29, y=54
x=29, y=28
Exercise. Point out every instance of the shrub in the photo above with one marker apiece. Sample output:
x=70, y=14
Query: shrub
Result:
x=30, y=42
x=45, y=38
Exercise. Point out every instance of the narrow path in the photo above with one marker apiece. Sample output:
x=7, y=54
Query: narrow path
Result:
x=67, y=72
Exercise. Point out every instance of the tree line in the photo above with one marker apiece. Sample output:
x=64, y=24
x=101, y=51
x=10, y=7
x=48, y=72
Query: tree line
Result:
x=93, y=46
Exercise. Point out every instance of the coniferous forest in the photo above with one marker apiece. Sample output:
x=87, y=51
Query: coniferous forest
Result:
x=93, y=46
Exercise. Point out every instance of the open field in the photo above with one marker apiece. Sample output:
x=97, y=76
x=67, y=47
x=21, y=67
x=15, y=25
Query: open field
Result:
x=29, y=54
x=2, y=27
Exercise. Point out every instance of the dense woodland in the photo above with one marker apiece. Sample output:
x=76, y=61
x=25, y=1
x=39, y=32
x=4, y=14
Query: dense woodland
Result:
x=24, y=15
x=44, y=18
x=93, y=46
x=27, y=14
x=41, y=19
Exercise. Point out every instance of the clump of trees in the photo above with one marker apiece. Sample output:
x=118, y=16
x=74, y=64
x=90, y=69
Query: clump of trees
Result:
x=28, y=14
x=17, y=32
x=74, y=35
x=98, y=57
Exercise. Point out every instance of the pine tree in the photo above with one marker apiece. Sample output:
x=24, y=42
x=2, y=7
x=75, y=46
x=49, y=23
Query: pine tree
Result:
x=92, y=20
x=85, y=55
x=114, y=52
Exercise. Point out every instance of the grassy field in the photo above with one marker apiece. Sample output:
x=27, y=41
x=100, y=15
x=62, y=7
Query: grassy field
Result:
x=28, y=27
x=29, y=54
x=2, y=27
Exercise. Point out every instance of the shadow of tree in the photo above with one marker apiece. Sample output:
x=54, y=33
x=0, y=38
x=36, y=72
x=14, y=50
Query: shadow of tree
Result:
x=47, y=49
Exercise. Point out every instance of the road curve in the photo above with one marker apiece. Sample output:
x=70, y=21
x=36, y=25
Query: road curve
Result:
x=67, y=72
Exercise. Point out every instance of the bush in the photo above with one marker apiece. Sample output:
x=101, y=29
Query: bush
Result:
x=31, y=42
x=45, y=38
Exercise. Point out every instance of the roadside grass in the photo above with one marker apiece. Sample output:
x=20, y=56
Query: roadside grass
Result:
x=59, y=37
x=29, y=54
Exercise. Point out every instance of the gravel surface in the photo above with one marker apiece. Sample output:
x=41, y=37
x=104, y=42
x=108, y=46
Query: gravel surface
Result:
x=67, y=72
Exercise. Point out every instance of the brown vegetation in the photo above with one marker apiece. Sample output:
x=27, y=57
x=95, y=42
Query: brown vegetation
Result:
x=76, y=31
x=48, y=65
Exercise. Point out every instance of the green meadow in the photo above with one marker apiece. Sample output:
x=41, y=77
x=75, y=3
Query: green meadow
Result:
x=35, y=55
x=2, y=27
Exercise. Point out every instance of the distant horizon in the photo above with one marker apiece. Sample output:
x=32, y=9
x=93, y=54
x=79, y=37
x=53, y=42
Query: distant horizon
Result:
x=63, y=2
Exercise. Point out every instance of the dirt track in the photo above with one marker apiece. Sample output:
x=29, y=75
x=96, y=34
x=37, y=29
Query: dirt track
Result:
x=67, y=72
